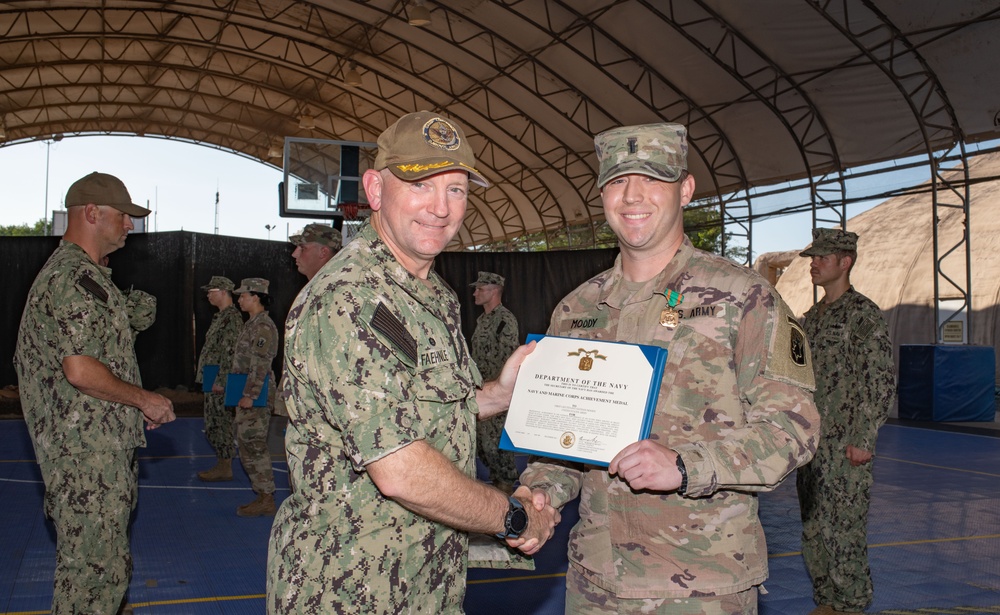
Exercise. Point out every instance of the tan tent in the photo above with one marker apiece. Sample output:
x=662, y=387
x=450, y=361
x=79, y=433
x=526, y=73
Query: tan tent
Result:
x=895, y=262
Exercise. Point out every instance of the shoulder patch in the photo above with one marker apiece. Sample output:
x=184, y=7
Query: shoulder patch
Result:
x=388, y=325
x=797, y=346
x=865, y=327
x=503, y=323
x=91, y=286
x=789, y=359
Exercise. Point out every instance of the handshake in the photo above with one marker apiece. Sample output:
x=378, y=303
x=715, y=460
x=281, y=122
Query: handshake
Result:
x=542, y=520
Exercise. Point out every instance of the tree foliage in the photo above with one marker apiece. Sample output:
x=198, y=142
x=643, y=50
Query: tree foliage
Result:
x=702, y=223
x=574, y=237
x=23, y=230
x=703, y=226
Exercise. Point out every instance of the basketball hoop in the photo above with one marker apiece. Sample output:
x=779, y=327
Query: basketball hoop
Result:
x=354, y=211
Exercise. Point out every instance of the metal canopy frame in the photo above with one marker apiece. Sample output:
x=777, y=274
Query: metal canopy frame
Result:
x=795, y=92
x=884, y=46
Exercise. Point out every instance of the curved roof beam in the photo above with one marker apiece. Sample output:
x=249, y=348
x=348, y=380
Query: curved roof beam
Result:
x=586, y=38
x=217, y=50
x=765, y=81
x=886, y=47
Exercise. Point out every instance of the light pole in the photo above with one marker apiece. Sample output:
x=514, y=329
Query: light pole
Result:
x=48, y=144
x=269, y=227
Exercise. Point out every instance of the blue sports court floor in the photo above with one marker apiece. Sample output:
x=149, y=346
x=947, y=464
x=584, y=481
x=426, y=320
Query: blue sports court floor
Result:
x=934, y=534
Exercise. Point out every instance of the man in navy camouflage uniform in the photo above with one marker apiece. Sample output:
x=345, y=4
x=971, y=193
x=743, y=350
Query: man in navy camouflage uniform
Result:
x=382, y=398
x=855, y=388
x=495, y=338
x=671, y=526
x=220, y=340
x=83, y=399
x=314, y=247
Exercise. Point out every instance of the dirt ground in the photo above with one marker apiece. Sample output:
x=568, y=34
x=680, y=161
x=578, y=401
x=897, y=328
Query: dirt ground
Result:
x=186, y=403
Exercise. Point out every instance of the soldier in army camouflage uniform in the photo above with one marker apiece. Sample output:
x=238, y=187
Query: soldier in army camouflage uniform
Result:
x=855, y=388
x=220, y=340
x=82, y=399
x=496, y=336
x=671, y=525
x=382, y=398
x=255, y=349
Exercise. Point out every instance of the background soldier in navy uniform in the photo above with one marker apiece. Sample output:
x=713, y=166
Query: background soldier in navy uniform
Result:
x=855, y=389
x=314, y=247
x=495, y=338
x=220, y=340
x=83, y=399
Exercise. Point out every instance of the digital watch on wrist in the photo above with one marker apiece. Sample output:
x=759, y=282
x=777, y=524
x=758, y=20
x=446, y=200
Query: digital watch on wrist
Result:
x=516, y=520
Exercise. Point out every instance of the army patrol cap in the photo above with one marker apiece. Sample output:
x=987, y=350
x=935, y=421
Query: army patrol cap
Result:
x=486, y=278
x=103, y=189
x=141, y=307
x=830, y=241
x=219, y=282
x=252, y=285
x=322, y=234
x=655, y=150
x=422, y=144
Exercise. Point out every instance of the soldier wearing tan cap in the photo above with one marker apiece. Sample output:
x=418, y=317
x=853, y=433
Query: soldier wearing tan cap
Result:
x=83, y=398
x=672, y=521
x=855, y=389
x=382, y=398
x=314, y=247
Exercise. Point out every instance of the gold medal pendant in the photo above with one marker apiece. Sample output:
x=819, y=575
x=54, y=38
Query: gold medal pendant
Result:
x=669, y=318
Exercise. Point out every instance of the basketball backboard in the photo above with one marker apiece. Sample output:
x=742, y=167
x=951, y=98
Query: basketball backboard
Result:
x=322, y=179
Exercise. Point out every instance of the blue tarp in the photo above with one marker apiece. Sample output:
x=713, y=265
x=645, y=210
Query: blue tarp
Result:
x=947, y=383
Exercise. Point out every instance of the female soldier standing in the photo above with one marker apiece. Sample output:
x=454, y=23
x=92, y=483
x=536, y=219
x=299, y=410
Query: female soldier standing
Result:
x=255, y=350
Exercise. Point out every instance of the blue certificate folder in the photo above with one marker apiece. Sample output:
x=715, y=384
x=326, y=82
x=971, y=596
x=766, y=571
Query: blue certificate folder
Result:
x=568, y=402
x=235, y=384
x=208, y=374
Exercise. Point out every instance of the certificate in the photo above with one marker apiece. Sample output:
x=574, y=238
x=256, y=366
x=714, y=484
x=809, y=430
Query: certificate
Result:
x=583, y=400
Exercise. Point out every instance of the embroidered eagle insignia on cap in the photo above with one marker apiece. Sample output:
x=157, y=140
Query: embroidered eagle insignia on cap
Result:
x=441, y=133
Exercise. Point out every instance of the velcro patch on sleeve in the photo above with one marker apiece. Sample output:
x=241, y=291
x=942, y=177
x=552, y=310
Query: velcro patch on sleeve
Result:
x=91, y=286
x=388, y=325
x=865, y=328
x=790, y=360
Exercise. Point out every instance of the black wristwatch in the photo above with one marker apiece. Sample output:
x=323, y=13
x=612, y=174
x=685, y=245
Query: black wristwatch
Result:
x=516, y=520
